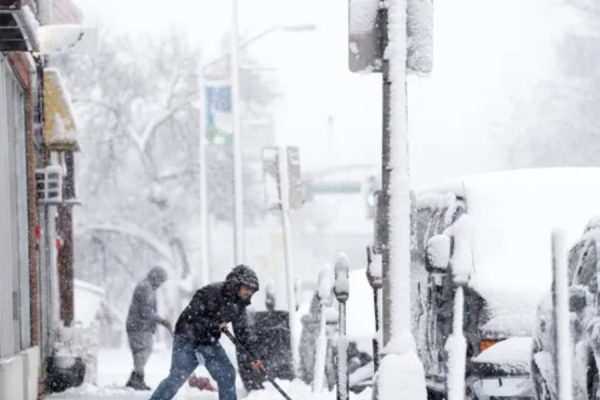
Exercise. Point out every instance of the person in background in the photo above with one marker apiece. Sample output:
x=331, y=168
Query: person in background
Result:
x=199, y=328
x=142, y=319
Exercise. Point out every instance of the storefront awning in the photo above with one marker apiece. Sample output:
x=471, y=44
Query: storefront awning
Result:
x=59, y=124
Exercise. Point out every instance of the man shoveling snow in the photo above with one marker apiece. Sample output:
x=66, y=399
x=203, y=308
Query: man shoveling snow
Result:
x=199, y=328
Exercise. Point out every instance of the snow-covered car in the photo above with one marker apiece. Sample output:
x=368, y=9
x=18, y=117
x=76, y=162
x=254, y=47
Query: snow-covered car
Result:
x=505, y=269
x=585, y=324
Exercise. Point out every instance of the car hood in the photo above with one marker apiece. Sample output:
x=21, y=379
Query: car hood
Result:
x=511, y=355
x=509, y=310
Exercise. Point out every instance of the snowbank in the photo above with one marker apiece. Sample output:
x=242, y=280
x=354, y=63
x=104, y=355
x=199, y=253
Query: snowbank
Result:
x=300, y=391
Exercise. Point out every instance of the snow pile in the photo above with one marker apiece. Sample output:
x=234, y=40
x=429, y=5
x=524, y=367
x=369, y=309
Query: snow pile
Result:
x=87, y=389
x=513, y=352
x=298, y=390
x=400, y=374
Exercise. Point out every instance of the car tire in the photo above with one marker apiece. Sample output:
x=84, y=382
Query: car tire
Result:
x=593, y=384
x=540, y=386
x=434, y=395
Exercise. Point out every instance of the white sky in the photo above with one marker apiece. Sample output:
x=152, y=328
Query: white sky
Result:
x=488, y=54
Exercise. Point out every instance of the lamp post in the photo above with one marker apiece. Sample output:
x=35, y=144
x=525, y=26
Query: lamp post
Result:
x=237, y=156
x=238, y=187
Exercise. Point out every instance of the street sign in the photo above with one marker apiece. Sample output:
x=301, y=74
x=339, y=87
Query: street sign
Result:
x=219, y=119
x=294, y=177
x=270, y=157
x=272, y=177
x=365, y=36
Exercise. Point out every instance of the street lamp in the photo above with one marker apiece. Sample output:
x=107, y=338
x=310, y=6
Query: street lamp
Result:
x=237, y=156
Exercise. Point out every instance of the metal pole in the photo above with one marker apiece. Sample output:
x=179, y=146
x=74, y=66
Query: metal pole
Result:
x=287, y=246
x=342, y=292
x=400, y=359
x=376, y=339
x=45, y=291
x=374, y=278
x=384, y=221
x=204, y=218
x=560, y=299
x=343, y=381
x=238, y=188
x=53, y=271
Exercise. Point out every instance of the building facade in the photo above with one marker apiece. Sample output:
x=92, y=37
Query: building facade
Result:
x=29, y=277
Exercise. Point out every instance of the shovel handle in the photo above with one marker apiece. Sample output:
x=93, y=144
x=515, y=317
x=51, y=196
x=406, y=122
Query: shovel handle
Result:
x=237, y=344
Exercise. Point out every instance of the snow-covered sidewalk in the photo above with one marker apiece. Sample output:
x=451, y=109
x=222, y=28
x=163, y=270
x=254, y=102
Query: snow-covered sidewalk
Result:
x=114, y=367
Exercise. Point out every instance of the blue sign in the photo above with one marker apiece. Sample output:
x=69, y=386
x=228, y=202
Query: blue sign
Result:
x=219, y=119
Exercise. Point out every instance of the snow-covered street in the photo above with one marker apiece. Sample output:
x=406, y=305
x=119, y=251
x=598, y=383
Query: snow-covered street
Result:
x=114, y=366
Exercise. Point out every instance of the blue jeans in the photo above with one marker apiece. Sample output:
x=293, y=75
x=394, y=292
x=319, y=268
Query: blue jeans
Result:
x=184, y=362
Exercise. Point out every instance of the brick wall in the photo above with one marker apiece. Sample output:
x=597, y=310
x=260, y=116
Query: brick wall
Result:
x=22, y=69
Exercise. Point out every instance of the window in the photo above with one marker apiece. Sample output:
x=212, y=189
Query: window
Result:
x=14, y=267
x=587, y=273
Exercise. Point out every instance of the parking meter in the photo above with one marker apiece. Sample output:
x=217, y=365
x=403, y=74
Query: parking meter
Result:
x=375, y=278
x=341, y=290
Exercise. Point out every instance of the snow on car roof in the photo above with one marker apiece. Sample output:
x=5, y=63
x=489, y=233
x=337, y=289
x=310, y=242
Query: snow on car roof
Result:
x=513, y=214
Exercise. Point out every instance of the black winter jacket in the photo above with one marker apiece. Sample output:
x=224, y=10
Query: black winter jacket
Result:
x=212, y=305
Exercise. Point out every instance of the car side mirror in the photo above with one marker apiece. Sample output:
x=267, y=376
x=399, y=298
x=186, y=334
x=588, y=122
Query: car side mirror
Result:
x=577, y=298
x=438, y=253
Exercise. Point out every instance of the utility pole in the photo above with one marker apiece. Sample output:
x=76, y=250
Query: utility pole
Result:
x=238, y=184
x=204, y=217
x=383, y=222
x=284, y=190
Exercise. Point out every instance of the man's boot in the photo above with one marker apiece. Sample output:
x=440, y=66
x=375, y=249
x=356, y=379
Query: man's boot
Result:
x=131, y=380
x=142, y=384
x=136, y=381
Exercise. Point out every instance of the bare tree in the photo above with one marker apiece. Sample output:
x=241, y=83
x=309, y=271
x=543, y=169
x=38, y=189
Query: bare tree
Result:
x=137, y=111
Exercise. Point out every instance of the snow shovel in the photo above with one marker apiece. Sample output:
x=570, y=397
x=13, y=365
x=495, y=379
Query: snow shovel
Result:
x=254, y=358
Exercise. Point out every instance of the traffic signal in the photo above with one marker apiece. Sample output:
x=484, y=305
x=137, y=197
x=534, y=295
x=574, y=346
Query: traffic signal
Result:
x=371, y=193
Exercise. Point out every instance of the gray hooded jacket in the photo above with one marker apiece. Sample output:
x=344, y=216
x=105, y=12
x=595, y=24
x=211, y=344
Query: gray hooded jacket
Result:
x=142, y=316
